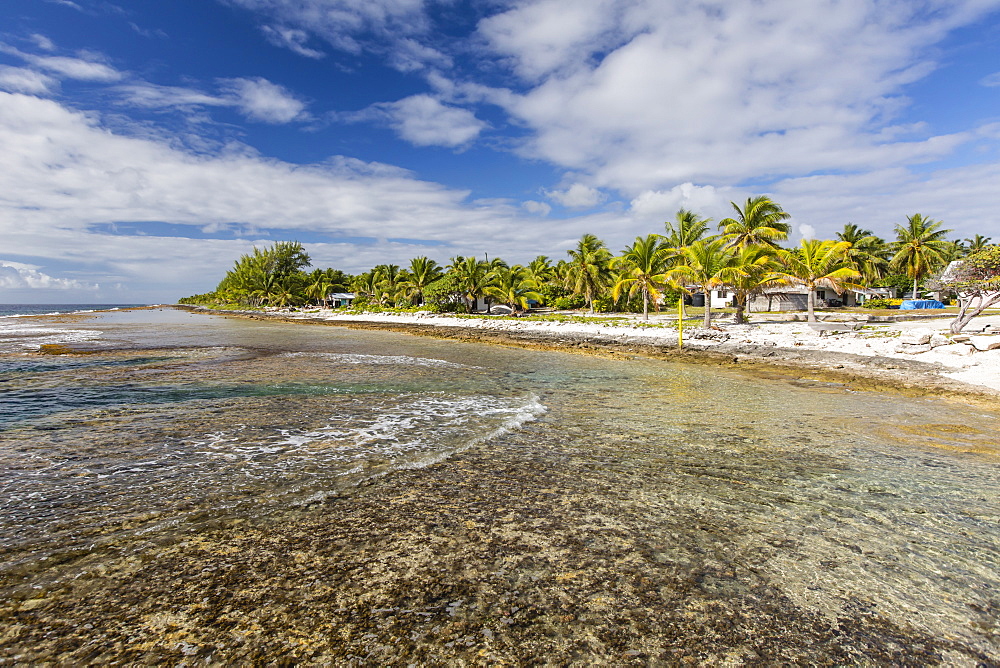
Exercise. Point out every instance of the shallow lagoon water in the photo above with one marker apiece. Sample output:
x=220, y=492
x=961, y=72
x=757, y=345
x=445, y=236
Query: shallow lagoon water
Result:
x=215, y=476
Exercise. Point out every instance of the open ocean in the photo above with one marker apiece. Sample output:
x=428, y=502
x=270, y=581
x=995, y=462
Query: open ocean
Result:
x=181, y=487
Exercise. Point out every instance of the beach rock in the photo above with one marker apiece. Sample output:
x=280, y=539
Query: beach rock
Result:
x=983, y=343
x=939, y=340
x=958, y=349
x=913, y=348
x=710, y=334
x=916, y=337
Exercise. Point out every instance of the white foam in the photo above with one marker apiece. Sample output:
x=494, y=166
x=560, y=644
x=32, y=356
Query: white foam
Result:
x=16, y=336
x=410, y=434
x=358, y=358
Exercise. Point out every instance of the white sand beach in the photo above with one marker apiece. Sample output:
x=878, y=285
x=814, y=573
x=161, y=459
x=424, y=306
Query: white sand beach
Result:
x=922, y=347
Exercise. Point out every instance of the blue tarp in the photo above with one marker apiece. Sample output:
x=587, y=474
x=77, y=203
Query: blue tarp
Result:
x=911, y=304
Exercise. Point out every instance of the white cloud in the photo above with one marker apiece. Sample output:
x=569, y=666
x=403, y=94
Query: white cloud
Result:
x=43, y=42
x=257, y=99
x=541, y=38
x=23, y=80
x=640, y=95
x=540, y=208
x=76, y=68
x=144, y=94
x=64, y=178
x=15, y=275
x=423, y=120
x=291, y=38
x=67, y=3
x=577, y=196
x=807, y=231
x=409, y=55
x=261, y=100
x=991, y=80
x=380, y=26
x=658, y=204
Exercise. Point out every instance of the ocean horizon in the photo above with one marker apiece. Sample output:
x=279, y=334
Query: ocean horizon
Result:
x=8, y=310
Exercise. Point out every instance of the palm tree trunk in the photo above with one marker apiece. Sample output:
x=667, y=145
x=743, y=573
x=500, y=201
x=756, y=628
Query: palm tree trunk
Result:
x=914, y=287
x=740, y=317
x=811, y=303
x=645, y=305
x=708, y=307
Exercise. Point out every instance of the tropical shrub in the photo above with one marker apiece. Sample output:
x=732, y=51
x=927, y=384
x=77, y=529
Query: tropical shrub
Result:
x=882, y=302
x=570, y=302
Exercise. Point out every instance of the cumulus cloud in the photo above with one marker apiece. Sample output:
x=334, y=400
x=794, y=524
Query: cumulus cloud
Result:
x=659, y=204
x=423, y=120
x=261, y=100
x=641, y=94
x=540, y=208
x=15, y=275
x=551, y=36
x=65, y=178
x=577, y=196
x=807, y=231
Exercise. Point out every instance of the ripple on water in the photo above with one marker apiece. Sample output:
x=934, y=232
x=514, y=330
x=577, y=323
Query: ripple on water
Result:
x=118, y=471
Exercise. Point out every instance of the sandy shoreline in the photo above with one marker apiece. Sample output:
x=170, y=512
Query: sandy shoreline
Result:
x=909, y=356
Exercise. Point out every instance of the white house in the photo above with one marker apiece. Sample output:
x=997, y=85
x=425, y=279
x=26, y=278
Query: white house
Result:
x=338, y=299
x=795, y=298
x=721, y=298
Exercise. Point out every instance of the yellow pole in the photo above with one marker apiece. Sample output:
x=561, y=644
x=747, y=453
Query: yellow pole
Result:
x=680, y=321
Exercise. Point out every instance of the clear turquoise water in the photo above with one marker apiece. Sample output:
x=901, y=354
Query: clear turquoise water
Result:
x=172, y=419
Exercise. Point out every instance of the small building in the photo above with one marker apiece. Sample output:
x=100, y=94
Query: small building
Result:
x=796, y=298
x=340, y=299
x=720, y=298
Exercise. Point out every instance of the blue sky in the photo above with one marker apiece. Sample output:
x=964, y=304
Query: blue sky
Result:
x=145, y=145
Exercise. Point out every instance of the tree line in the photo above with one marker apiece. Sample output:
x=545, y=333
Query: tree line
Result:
x=744, y=255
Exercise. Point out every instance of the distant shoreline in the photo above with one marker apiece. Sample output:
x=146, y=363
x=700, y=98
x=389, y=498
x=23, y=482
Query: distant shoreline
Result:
x=786, y=349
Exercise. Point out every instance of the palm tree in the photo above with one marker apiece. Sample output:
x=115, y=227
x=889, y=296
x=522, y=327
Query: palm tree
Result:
x=819, y=264
x=319, y=289
x=390, y=280
x=866, y=252
x=541, y=270
x=512, y=286
x=703, y=264
x=977, y=243
x=472, y=275
x=753, y=270
x=919, y=248
x=368, y=285
x=644, y=266
x=588, y=271
x=685, y=229
x=760, y=222
x=283, y=293
x=423, y=271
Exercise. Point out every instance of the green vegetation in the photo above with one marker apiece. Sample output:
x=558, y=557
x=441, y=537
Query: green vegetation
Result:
x=745, y=258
